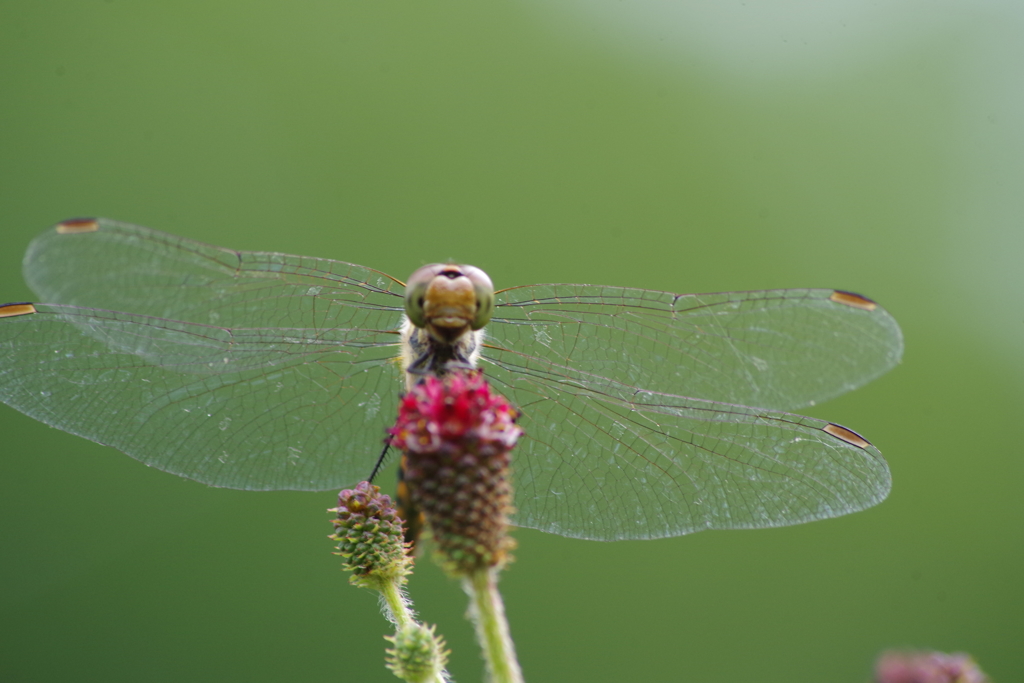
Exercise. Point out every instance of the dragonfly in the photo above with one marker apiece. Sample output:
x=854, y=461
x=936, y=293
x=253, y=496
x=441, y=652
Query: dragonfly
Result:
x=647, y=414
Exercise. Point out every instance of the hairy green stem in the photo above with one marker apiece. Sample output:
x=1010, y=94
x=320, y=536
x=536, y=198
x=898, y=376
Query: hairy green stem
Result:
x=396, y=603
x=488, y=614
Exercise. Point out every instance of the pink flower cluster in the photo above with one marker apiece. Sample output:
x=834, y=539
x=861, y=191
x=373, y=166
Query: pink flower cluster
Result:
x=927, y=667
x=459, y=409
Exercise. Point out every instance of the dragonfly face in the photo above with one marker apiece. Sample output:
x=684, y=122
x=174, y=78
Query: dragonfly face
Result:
x=449, y=300
x=646, y=413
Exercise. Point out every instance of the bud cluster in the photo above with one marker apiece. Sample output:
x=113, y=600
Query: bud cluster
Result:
x=369, y=535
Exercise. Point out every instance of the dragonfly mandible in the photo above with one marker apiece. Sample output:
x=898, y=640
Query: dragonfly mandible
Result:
x=647, y=413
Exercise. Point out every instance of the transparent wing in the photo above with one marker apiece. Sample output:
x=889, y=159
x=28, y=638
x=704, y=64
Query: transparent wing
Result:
x=780, y=349
x=602, y=460
x=104, y=264
x=282, y=375
x=274, y=408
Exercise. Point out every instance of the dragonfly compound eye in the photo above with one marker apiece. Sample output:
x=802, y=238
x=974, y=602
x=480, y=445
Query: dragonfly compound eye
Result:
x=416, y=290
x=484, y=295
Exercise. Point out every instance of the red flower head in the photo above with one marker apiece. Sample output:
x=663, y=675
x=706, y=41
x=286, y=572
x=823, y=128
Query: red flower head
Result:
x=456, y=437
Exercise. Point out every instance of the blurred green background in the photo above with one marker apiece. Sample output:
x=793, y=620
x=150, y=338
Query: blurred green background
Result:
x=654, y=144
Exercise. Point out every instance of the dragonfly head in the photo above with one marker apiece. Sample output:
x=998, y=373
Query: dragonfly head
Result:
x=448, y=300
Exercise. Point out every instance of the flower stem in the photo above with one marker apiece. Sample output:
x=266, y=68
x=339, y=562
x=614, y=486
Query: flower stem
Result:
x=488, y=614
x=396, y=603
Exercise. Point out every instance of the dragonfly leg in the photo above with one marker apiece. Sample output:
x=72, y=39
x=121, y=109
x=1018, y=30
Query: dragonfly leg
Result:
x=380, y=462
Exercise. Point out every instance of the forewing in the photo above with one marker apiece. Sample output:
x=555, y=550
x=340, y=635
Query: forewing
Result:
x=780, y=349
x=602, y=461
x=120, y=267
x=287, y=408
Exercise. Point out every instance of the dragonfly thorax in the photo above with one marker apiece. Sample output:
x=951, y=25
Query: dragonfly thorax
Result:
x=424, y=354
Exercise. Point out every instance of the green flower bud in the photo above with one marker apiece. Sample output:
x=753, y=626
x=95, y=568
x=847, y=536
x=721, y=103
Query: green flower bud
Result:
x=418, y=655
